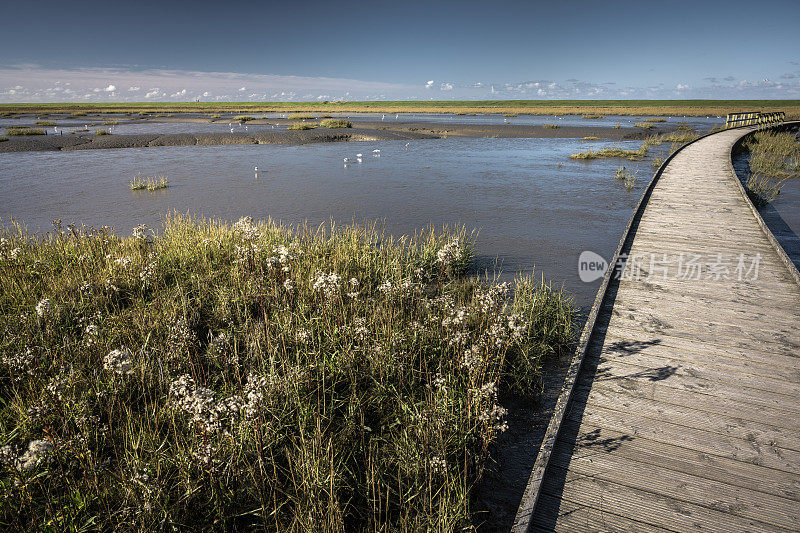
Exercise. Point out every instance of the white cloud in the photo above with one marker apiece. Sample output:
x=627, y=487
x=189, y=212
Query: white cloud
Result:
x=429, y=84
x=152, y=93
x=447, y=87
x=682, y=86
x=110, y=89
x=243, y=88
x=206, y=93
x=132, y=88
x=178, y=94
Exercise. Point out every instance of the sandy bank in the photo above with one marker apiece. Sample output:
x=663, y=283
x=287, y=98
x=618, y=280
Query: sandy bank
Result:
x=365, y=131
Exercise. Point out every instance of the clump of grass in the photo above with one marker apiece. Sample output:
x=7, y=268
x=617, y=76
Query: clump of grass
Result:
x=142, y=113
x=216, y=117
x=627, y=177
x=618, y=125
x=774, y=158
x=550, y=126
x=78, y=114
x=17, y=131
x=257, y=377
x=684, y=127
x=644, y=125
x=301, y=126
x=326, y=116
x=657, y=162
x=680, y=136
x=243, y=118
x=82, y=130
x=102, y=132
x=3, y=139
x=300, y=117
x=335, y=123
x=655, y=119
x=510, y=115
x=592, y=116
x=110, y=122
x=591, y=138
x=142, y=183
x=607, y=153
x=45, y=123
x=774, y=154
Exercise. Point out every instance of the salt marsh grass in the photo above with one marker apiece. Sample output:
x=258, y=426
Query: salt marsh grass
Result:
x=774, y=158
x=301, y=117
x=644, y=125
x=550, y=126
x=243, y=118
x=655, y=119
x=301, y=126
x=592, y=116
x=3, y=139
x=17, y=131
x=627, y=177
x=145, y=183
x=110, y=122
x=257, y=377
x=336, y=123
x=45, y=123
x=102, y=132
x=606, y=153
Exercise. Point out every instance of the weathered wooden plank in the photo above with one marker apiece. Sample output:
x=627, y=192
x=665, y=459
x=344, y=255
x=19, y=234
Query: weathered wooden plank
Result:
x=647, y=507
x=592, y=440
x=739, y=501
x=635, y=426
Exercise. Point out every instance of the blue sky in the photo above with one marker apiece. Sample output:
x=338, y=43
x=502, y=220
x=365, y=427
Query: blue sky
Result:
x=90, y=51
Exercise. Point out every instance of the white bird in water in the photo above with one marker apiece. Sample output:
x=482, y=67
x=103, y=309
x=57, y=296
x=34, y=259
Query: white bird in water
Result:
x=407, y=146
x=346, y=160
x=383, y=118
x=376, y=151
x=358, y=155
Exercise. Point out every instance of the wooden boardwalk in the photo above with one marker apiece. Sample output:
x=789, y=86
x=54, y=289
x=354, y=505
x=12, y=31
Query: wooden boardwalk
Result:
x=685, y=413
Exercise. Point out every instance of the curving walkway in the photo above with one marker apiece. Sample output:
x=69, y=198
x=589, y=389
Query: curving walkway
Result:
x=685, y=414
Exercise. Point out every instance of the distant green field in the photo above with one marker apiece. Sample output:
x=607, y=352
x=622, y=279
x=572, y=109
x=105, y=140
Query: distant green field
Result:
x=620, y=107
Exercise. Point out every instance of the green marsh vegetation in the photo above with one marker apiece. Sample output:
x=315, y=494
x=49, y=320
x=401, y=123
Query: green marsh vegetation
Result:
x=774, y=158
x=655, y=119
x=644, y=125
x=336, y=123
x=627, y=177
x=592, y=116
x=301, y=126
x=253, y=376
x=3, y=139
x=110, y=122
x=145, y=183
x=657, y=162
x=79, y=114
x=243, y=118
x=18, y=131
x=562, y=107
x=301, y=117
x=45, y=123
x=591, y=138
x=550, y=126
x=607, y=153
x=102, y=132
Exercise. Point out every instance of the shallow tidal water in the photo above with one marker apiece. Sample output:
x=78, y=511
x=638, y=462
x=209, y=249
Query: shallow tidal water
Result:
x=529, y=211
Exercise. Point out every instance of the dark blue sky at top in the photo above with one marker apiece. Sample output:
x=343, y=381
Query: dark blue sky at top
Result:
x=599, y=43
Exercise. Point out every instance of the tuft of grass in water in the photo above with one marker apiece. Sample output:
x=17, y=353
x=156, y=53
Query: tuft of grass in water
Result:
x=300, y=126
x=509, y=115
x=243, y=118
x=684, y=127
x=258, y=377
x=216, y=116
x=644, y=125
x=142, y=183
x=657, y=162
x=301, y=117
x=627, y=177
x=550, y=126
x=655, y=119
x=618, y=125
x=16, y=131
x=110, y=122
x=607, y=153
x=102, y=132
x=3, y=139
x=774, y=158
x=680, y=136
x=774, y=154
x=335, y=123
x=591, y=138
x=78, y=114
x=592, y=116
x=45, y=123
x=325, y=116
